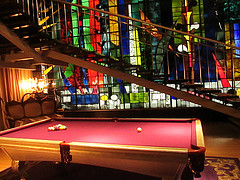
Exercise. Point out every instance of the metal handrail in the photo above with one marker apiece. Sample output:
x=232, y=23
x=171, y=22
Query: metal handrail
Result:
x=147, y=23
x=197, y=42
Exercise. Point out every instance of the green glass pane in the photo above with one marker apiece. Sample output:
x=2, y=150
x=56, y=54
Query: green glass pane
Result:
x=69, y=70
x=134, y=98
x=143, y=97
x=126, y=98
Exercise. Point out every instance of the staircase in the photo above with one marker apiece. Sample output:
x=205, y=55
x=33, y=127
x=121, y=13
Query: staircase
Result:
x=56, y=32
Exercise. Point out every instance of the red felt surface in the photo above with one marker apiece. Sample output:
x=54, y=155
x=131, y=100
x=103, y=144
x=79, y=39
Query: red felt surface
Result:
x=160, y=134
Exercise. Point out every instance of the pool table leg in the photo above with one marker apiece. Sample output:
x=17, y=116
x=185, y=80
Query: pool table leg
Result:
x=66, y=157
x=187, y=173
x=15, y=165
x=18, y=166
x=196, y=161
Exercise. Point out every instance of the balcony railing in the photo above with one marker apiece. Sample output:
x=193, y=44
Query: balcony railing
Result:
x=137, y=46
x=143, y=48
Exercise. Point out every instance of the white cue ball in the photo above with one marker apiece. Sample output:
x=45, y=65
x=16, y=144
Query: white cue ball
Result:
x=139, y=129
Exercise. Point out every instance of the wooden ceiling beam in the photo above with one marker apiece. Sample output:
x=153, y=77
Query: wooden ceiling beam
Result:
x=17, y=41
x=22, y=57
x=15, y=57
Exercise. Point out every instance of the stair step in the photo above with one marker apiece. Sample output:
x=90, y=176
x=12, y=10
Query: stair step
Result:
x=17, y=21
x=176, y=81
x=10, y=9
x=6, y=44
x=7, y=50
x=27, y=31
x=70, y=49
x=147, y=73
x=3, y=2
x=38, y=37
x=3, y=40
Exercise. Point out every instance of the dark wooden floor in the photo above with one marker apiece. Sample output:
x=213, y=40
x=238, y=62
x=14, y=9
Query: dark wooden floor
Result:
x=222, y=138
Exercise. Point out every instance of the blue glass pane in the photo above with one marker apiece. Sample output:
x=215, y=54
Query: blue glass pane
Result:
x=237, y=38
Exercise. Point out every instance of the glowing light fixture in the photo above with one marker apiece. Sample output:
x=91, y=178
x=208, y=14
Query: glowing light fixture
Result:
x=33, y=85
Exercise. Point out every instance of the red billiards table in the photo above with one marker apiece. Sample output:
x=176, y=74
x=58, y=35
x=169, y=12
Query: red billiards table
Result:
x=161, y=148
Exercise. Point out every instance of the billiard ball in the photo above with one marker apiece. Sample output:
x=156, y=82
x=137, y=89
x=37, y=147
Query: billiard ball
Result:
x=139, y=129
x=62, y=127
x=51, y=128
x=57, y=127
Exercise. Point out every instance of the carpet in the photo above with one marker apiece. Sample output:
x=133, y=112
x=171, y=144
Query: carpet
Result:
x=216, y=168
x=219, y=168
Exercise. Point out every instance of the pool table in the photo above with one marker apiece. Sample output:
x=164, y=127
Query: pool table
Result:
x=152, y=146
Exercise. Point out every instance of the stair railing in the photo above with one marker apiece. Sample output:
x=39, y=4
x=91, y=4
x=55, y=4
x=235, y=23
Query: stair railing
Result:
x=139, y=47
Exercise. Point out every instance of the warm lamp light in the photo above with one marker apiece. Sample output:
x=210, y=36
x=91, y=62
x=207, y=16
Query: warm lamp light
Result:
x=41, y=85
x=28, y=85
x=33, y=85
